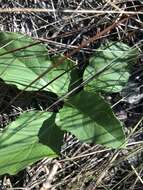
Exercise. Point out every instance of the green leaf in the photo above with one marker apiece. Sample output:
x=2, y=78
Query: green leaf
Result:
x=76, y=79
x=116, y=58
x=23, y=66
x=28, y=139
x=90, y=119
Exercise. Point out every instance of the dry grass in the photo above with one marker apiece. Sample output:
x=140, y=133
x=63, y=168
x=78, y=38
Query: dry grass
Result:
x=82, y=166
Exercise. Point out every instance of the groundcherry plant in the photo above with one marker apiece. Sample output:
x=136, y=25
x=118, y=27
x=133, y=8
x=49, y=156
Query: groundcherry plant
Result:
x=36, y=134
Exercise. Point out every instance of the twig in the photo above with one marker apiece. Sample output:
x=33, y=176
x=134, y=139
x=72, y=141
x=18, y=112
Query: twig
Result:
x=137, y=174
x=47, y=185
x=81, y=11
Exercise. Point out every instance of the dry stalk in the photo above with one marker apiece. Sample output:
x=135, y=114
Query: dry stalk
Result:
x=81, y=11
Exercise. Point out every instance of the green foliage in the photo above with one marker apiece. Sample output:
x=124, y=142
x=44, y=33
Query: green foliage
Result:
x=90, y=119
x=23, y=141
x=23, y=66
x=86, y=115
x=114, y=59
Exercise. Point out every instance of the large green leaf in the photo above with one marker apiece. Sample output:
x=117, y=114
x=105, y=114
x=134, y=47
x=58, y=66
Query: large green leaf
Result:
x=91, y=119
x=23, y=66
x=116, y=58
x=31, y=137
